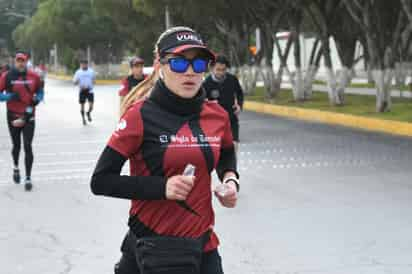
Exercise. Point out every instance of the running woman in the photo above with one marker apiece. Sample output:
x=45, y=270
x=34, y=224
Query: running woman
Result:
x=136, y=76
x=22, y=90
x=85, y=78
x=224, y=87
x=161, y=132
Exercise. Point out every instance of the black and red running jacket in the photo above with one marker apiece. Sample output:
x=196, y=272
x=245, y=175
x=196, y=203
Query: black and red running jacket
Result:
x=26, y=84
x=160, y=136
x=128, y=83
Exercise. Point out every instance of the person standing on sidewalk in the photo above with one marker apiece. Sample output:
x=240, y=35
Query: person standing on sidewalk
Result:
x=22, y=90
x=224, y=87
x=136, y=76
x=85, y=79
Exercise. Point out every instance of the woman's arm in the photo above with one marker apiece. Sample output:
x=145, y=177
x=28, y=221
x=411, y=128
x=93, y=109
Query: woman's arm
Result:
x=107, y=181
x=227, y=163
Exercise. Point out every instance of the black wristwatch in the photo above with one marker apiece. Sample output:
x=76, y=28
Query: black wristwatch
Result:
x=232, y=179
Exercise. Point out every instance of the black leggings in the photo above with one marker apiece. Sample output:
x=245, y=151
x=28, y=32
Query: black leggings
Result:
x=28, y=134
x=211, y=261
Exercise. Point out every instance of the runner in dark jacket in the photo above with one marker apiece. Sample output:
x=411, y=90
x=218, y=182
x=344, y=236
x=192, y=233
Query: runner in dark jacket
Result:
x=224, y=87
x=160, y=135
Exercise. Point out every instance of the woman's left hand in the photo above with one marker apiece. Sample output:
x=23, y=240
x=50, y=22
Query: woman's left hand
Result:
x=229, y=199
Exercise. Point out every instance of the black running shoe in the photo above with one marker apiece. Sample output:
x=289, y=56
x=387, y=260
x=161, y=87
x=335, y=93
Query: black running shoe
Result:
x=84, y=121
x=16, y=176
x=89, y=117
x=28, y=186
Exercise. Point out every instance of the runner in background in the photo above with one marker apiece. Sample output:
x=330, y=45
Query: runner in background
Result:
x=85, y=79
x=136, y=76
x=225, y=88
x=22, y=90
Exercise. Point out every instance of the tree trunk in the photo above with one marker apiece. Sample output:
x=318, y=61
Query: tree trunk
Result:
x=344, y=79
x=332, y=86
x=271, y=84
x=310, y=74
x=283, y=66
x=297, y=78
x=248, y=77
x=401, y=73
x=383, y=79
x=330, y=74
x=312, y=69
x=297, y=85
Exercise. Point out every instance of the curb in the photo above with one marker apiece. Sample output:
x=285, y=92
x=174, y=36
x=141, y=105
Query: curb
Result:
x=347, y=120
x=68, y=78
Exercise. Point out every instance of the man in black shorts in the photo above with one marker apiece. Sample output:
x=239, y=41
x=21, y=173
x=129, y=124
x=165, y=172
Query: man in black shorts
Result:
x=224, y=87
x=85, y=78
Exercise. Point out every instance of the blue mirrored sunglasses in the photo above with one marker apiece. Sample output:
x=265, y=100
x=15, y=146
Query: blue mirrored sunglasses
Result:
x=181, y=64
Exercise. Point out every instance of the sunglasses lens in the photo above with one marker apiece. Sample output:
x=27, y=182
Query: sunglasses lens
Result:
x=199, y=65
x=179, y=65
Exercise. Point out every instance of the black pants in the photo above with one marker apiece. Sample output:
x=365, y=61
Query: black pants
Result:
x=28, y=133
x=211, y=261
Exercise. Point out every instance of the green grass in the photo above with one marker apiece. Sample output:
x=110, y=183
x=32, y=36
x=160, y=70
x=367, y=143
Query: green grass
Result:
x=362, y=105
x=365, y=85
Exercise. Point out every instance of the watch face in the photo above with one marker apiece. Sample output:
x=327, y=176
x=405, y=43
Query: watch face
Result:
x=215, y=94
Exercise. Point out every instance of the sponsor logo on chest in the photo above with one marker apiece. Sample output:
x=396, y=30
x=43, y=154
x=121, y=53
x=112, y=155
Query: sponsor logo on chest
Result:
x=189, y=141
x=21, y=82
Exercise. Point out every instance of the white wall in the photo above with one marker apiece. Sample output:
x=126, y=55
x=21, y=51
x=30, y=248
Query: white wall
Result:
x=306, y=47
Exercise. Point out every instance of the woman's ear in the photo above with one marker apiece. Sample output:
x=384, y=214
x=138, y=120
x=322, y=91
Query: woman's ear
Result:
x=156, y=63
x=161, y=75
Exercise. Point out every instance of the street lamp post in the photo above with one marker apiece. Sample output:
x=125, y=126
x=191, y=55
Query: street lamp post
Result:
x=167, y=17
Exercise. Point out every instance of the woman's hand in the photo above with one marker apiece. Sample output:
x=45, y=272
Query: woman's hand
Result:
x=178, y=187
x=228, y=197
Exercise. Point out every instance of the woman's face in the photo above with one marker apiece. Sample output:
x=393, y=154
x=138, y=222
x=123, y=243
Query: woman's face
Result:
x=185, y=84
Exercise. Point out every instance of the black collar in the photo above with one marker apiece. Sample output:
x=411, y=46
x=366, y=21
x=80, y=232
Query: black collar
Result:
x=173, y=103
x=17, y=73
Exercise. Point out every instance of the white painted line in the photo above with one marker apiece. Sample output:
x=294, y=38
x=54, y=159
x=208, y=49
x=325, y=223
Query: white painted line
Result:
x=62, y=171
x=65, y=163
x=40, y=144
x=67, y=153
x=77, y=179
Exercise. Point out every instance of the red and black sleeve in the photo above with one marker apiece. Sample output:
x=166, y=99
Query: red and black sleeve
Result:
x=107, y=181
x=123, y=144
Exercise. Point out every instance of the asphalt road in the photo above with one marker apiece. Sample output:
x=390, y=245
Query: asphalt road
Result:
x=314, y=198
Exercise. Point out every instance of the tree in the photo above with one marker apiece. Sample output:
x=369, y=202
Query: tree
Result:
x=382, y=23
x=295, y=19
x=330, y=19
x=138, y=26
x=13, y=13
x=268, y=17
x=224, y=24
x=74, y=25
